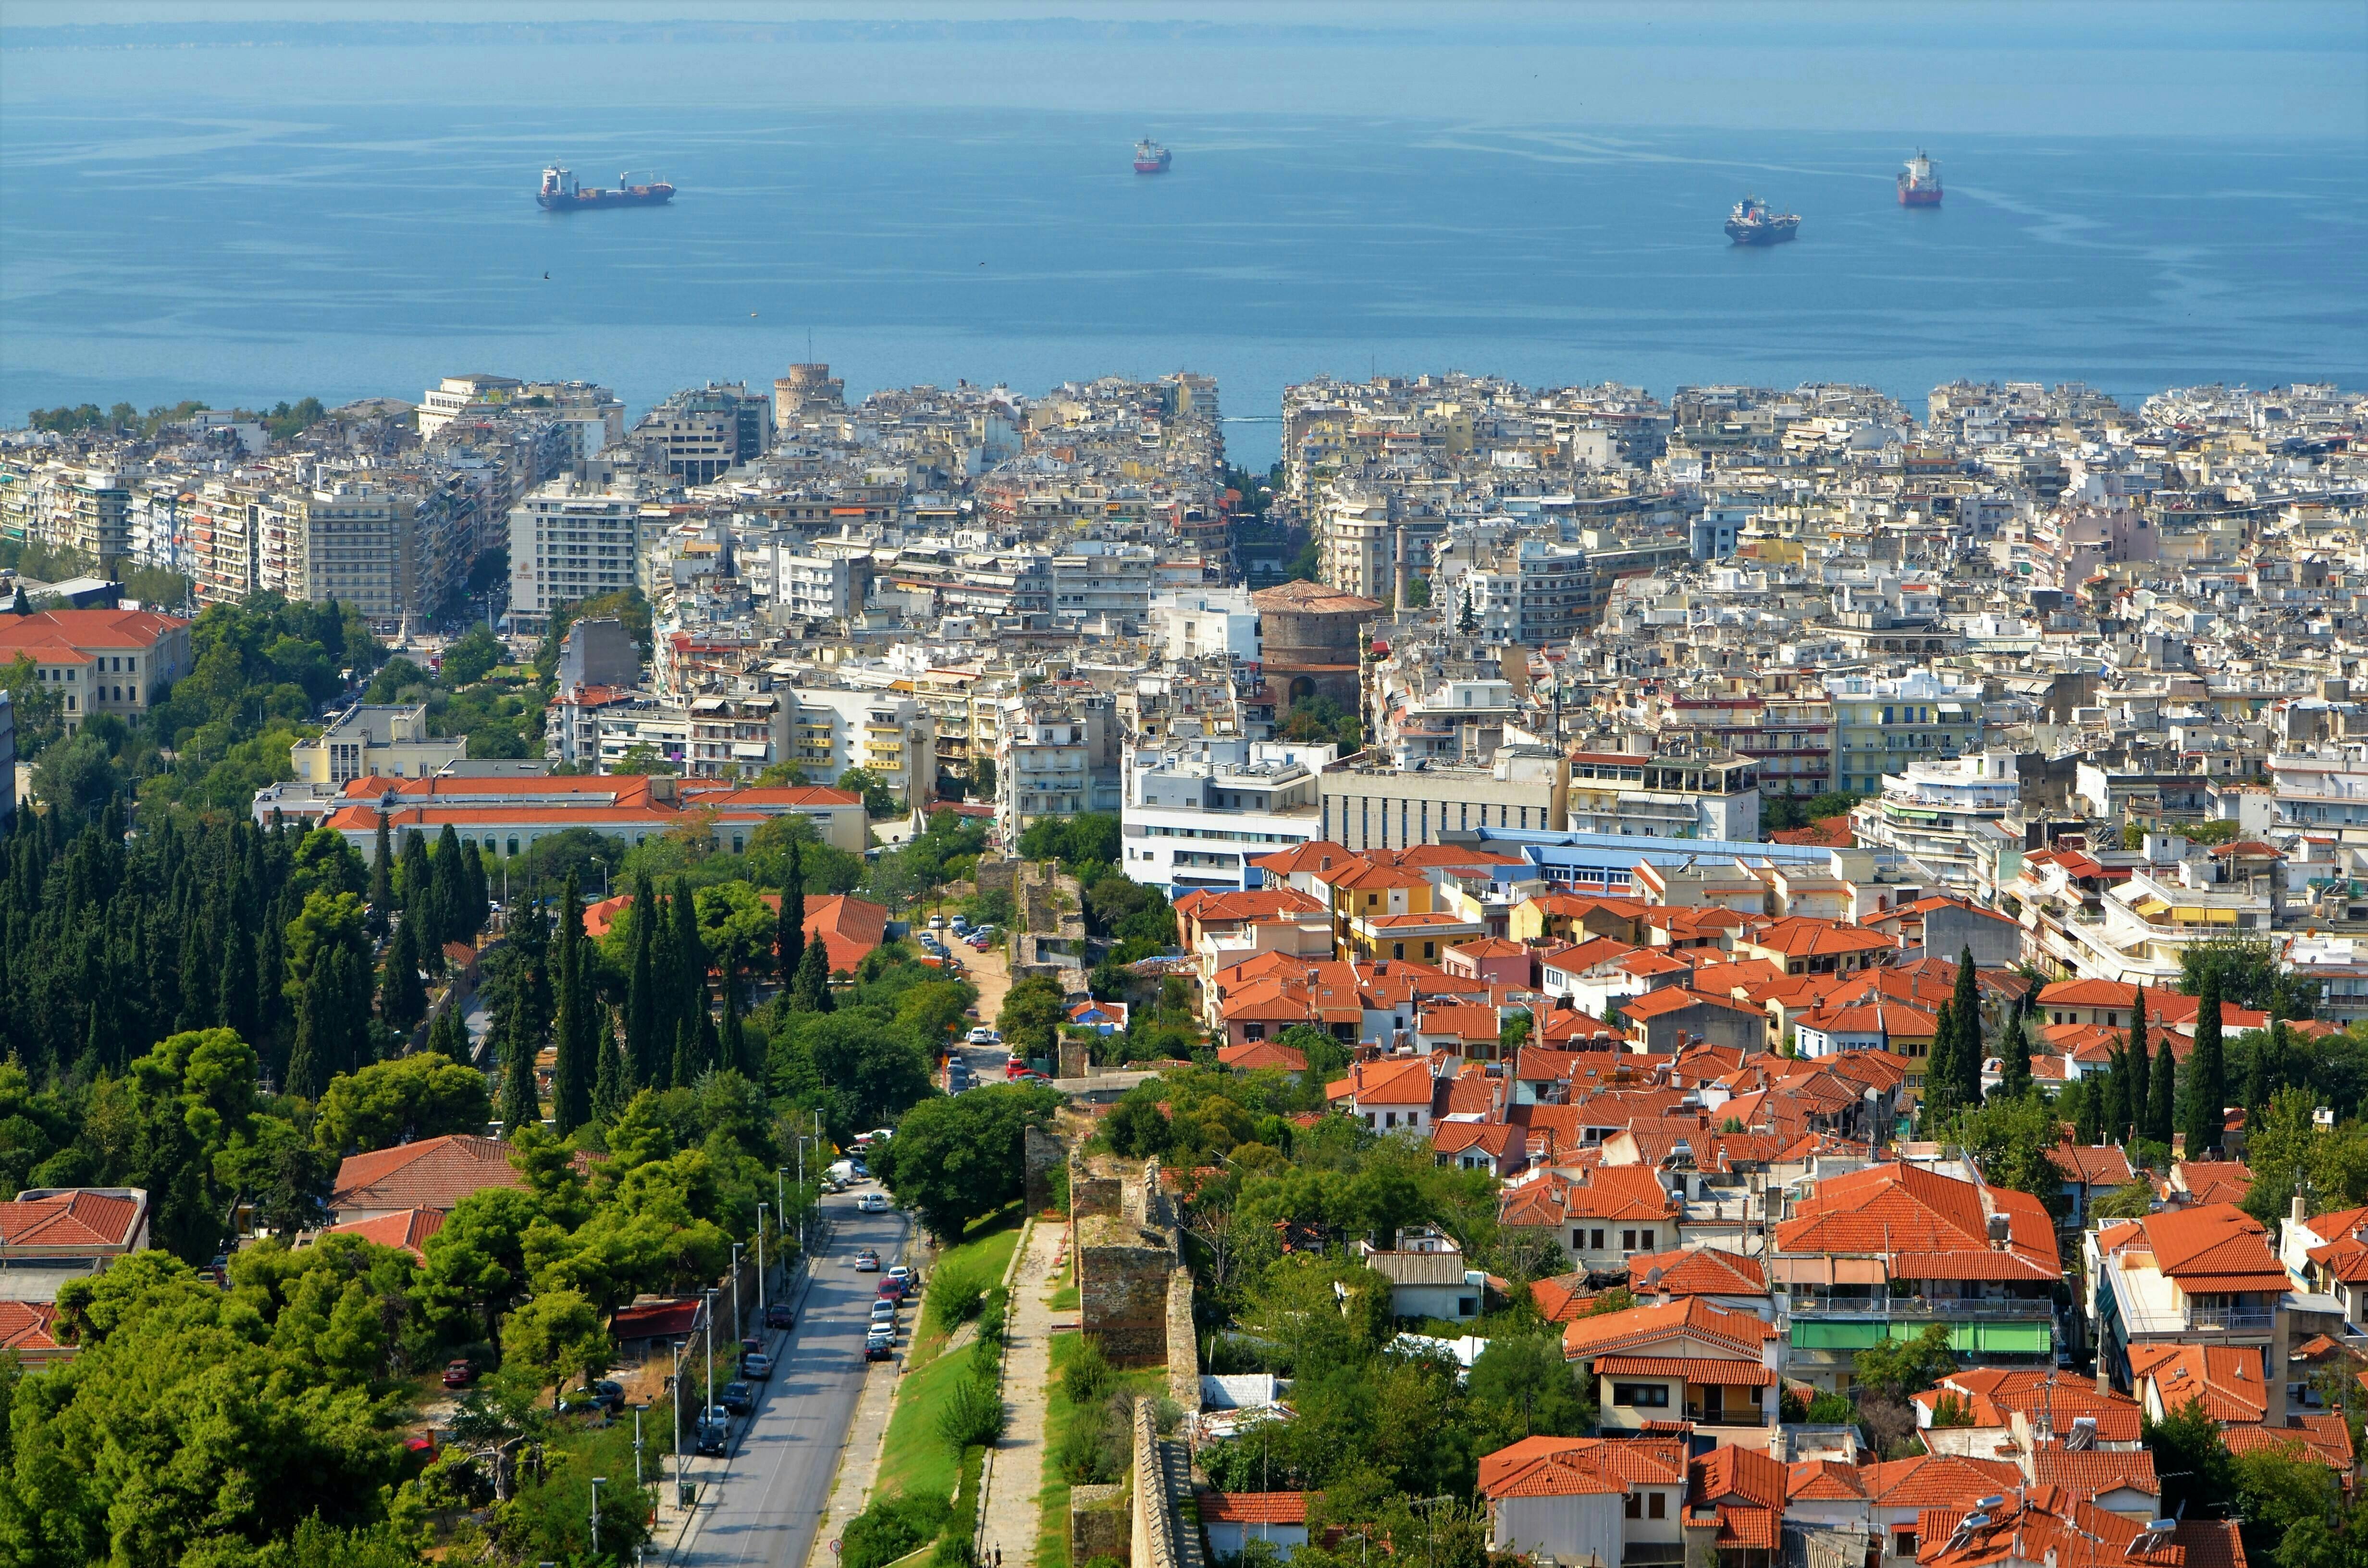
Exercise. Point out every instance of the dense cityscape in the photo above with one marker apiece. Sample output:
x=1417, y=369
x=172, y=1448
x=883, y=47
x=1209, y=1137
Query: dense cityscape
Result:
x=1570, y=975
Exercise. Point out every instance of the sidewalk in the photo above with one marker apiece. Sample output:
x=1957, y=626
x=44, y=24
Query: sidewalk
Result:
x=1011, y=1515
x=674, y=1529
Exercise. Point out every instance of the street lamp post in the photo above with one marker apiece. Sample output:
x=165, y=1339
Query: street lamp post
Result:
x=598, y=1481
x=681, y=1486
x=637, y=1447
x=707, y=1396
x=739, y=1329
x=760, y=1262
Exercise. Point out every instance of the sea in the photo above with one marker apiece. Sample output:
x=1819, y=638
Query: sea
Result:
x=159, y=242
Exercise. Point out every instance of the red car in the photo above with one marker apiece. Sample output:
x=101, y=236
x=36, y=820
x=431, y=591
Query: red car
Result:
x=459, y=1374
x=892, y=1289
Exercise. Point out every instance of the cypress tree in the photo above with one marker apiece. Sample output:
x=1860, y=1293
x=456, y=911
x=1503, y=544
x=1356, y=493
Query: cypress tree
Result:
x=665, y=998
x=521, y=1103
x=2141, y=1074
x=480, y=893
x=573, y=1065
x=2207, y=1086
x=449, y=1034
x=2117, y=1095
x=2160, y=1095
x=813, y=982
x=308, y=1074
x=734, y=1053
x=610, y=1089
x=641, y=989
x=2014, y=1079
x=690, y=951
x=1940, y=1069
x=1969, y=1054
x=451, y=884
x=790, y=928
x=381, y=887
x=2090, y=1127
x=402, y=999
x=685, y=1071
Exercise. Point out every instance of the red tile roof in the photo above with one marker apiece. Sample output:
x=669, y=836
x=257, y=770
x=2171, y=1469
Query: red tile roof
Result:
x=435, y=1173
x=408, y=1229
x=1694, y=1368
x=1698, y=1271
x=1253, y=1507
x=71, y=1222
x=1611, y=1334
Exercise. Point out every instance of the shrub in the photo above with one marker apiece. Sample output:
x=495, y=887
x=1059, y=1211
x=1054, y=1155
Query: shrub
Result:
x=1087, y=1381
x=972, y=1416
x=1097, y=1451
x=956, y=1300
x=889, y=1529
x=992, y=1314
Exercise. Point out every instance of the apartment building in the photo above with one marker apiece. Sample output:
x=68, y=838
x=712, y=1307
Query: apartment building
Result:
x=394, y=547
x=1199, y=809
x=887, y=734
x=572, y=539
x=1111, y=584
x=1880, y=725
x=699, y=436
x=1534, y=593
x=1938, y=811
x=1677, y=792
x=1057, y=755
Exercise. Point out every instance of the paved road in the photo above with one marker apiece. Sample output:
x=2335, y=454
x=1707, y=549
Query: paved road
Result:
x=767, y=1506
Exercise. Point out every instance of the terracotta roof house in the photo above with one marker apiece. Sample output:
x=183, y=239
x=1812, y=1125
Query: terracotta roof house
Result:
x=1388, y=1095
x=28, y=1330
x=1743, y=1490
x=1687, y=1361
x=1231, y=1520
x=406, y=1228
x=2181, y=1273
x=1587, y=1499
x=48, y=1235
x=1252, y=1055
x=1801, y=944
x=435, y=1173
x=1982, y=1259
x=1727, y=1279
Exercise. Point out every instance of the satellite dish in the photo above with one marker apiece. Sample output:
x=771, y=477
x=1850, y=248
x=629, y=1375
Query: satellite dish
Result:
x=1653, y=1277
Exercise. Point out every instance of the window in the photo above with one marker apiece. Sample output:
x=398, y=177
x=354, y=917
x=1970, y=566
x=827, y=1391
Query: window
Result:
x=1903, y=1543
x=1657, y=1504
x=1646, y=1238
x=1467, y=1306
x=1635, y=1505
x=1628, y=1241
x=1642, y=1396
x=1597, y=1243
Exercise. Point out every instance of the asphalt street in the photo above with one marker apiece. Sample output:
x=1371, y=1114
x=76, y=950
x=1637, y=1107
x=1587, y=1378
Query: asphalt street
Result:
x=766, y=1509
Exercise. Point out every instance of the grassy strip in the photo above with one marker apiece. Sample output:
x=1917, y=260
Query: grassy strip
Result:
x=1052, y=1532
x=915, y=1460
x=984, y=1252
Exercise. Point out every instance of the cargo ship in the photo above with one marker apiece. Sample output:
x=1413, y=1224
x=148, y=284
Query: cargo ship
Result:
x=560, y=193
x=1751, y=223
x=1150, y=157
x=1919, y=182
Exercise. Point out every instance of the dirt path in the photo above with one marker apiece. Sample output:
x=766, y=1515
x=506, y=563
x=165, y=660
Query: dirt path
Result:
x=1012, y=1515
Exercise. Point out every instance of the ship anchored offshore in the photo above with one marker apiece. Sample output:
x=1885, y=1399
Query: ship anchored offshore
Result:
x=1752, y=223
x=1150, y=157
x=1919, y=182
x=560, y=193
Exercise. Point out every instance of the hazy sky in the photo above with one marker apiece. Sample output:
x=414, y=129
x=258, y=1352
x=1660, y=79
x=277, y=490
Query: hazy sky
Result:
x=2095, y=68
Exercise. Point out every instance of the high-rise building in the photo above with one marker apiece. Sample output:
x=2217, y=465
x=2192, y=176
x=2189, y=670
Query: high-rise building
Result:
x=572, y=539
x=701, y=434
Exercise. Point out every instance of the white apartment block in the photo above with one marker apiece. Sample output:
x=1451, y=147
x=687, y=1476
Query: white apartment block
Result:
x=1190, y=623
x=570, y=542
x=1198, y=811
x=885, y=732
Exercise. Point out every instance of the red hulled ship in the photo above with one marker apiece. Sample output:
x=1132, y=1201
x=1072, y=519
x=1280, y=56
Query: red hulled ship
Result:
x=560, y=193
x=1919, y=182
x=1150, y=157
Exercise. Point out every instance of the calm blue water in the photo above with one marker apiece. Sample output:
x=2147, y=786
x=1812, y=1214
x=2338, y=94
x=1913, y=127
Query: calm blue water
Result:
x=154, y=252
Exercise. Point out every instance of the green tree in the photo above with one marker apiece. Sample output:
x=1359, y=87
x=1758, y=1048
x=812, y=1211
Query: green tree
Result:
x=954, y=1160
x=1940, y=1077
x=1900, y=1368
x=2247, y=975
x=553, y=1339
x=2162, y=1094
x=877, y=801
x=402, y=999
x=2192, y=1458
x=1031, y=1015
x=1522, y=1388
x=401, y=1100
x=576, y=1060
x=467, y=661
x=812, y=992
x=2141, y=1071
x=2207, y=1088
x=2013, y=1142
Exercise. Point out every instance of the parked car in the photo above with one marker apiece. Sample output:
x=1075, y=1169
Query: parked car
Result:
x=459, y=1374
x=884, y=1311
x=713, y=1435
x=873, y=1203
x=867, y=1261
x=891, y=1288
x=606, y=1392
x=755, y=1363
x=936, y=922
x=583, y=1403
x=901, y=1271
x=781, y=1315
x=981, y=1036
x=737, y=1398
x=879, y=1346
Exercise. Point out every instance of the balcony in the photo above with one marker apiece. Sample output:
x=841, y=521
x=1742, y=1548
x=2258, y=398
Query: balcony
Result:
x=1917, y=1309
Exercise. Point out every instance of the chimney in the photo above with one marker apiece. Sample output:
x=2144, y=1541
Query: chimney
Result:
x=2297, y=1211
x=2104, y=1375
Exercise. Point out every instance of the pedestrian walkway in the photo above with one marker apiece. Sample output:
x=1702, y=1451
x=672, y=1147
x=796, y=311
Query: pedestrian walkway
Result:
x=859, y=1458
x=1012, y=1516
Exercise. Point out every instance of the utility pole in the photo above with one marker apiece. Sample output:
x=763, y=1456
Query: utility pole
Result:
x=598, y=1481
x=707, y=1398
x=760, y=1262
x=681, y=1487
x=738, y=1328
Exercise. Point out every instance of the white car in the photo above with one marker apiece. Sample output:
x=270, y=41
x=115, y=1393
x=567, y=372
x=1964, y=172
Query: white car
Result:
x=871, y=1203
